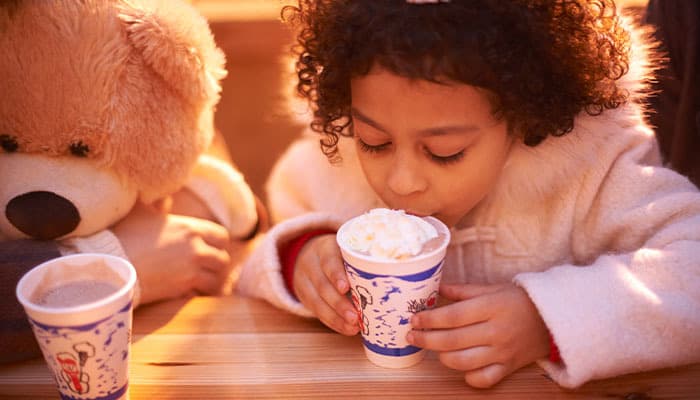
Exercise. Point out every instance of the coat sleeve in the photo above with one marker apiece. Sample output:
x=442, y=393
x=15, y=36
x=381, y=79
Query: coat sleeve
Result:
x=261, y=275
x=630, y=300
x=224, y=190
x=305, y=192
x=16, y=258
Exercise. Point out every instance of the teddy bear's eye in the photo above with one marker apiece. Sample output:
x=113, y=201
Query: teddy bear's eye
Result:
x=79, y=149
x=8, y=143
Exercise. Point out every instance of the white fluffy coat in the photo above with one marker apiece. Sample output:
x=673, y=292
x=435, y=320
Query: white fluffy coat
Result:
x=605, y=240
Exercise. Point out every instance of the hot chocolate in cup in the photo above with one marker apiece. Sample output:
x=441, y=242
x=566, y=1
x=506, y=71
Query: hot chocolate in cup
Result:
x=80, y=309
x=390, y=282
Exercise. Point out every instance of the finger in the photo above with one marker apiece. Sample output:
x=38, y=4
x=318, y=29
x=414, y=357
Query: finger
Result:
x=340, y=303
x=332, y=265
x=469, y=359
x=211, y=258
x=487, y=376
x=466, y=312
x=208, y=282
x=452, y=339
x=212, y=233
x=325, y=313
x=466, y=291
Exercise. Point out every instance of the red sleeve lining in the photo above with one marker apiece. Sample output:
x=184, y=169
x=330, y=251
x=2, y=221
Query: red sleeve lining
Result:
x=290, y=251
x=554, y=355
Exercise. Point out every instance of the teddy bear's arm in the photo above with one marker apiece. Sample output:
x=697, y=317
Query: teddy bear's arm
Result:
x=17, y=257
x=222, y=187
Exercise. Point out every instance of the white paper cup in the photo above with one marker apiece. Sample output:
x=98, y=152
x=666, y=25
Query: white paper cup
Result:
x=86, y=346
x=386, y=293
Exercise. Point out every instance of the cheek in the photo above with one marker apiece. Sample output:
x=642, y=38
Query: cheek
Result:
x=375, y=169
x=458, y=191
x=469, y=188
x=450, y=187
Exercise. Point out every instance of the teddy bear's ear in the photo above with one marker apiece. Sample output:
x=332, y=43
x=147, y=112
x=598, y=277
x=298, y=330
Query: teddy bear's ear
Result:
x=176, y=42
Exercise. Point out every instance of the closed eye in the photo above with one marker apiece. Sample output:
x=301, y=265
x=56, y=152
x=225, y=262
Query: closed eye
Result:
x=446, y=160
x=442, y=160
x=368, y=148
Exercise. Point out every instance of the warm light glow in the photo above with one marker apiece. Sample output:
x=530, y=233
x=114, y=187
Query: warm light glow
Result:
x=256, y=10
x=240, y=10
x=648, y=171
x=642, y=256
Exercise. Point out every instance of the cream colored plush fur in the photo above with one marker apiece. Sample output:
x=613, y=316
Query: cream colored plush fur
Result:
x=103, y=103
x=135, y=81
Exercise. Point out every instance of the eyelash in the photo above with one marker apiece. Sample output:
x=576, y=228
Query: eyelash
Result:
x=372, y=149
x=442, y=160
x=447, y=160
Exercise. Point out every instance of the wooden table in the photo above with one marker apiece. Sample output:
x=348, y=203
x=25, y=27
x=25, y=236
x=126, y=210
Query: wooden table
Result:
x=235, y=348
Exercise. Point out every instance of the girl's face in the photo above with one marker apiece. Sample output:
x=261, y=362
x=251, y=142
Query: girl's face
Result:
x=427, y=148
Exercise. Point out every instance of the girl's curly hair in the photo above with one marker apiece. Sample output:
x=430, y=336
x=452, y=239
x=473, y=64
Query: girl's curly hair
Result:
x=543, y=61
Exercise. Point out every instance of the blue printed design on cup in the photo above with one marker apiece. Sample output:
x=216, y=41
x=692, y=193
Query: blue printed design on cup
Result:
x=89, y=361
x=417, y=277
x=394, y=352
x=112, y=396
x=385, y=304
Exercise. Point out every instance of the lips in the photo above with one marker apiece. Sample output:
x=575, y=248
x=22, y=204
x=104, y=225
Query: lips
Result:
x=418, y=213
x=407, y=209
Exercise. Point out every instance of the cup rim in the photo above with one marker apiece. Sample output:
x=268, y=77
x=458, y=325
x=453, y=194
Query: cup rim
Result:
x=420, y=257
x=26, y=302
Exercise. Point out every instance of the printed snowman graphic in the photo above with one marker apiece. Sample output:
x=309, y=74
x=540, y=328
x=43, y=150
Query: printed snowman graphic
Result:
x=361, y=298
x=72, y=369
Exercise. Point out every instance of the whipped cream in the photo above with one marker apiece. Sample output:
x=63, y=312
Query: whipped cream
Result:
x=387, y=234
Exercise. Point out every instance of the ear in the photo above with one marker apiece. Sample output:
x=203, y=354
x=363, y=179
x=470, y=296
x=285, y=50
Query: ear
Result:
x=175, y=41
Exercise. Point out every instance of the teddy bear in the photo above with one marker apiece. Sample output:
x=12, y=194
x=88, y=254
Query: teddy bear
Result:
x=105, y=104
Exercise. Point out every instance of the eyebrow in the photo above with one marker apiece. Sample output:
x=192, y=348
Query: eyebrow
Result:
x=435, y=131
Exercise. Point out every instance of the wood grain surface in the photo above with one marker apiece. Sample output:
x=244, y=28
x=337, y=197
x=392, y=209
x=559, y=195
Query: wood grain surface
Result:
x=236, y=348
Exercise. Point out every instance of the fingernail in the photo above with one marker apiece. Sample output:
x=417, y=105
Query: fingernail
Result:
x=350, y=330
x=409, y=337
x=342, y=285
x=350, y=316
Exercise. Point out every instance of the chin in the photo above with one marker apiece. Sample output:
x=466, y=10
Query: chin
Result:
x=445, y=220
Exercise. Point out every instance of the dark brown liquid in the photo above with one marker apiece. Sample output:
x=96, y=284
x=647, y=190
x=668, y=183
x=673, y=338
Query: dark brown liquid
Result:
x=75, y=293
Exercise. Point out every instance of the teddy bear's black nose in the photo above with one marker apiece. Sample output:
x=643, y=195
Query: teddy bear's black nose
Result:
x=42, y=215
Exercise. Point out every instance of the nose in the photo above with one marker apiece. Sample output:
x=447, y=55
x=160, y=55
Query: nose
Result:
x=42, y=215
x=405, y=176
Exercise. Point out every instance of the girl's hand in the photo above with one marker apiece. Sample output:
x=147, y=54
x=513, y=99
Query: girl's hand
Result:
x=321, y=285
x=489, y=332
x=174, y=255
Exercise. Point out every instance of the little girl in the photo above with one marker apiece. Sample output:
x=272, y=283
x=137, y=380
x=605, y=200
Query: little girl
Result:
x=517, y=123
